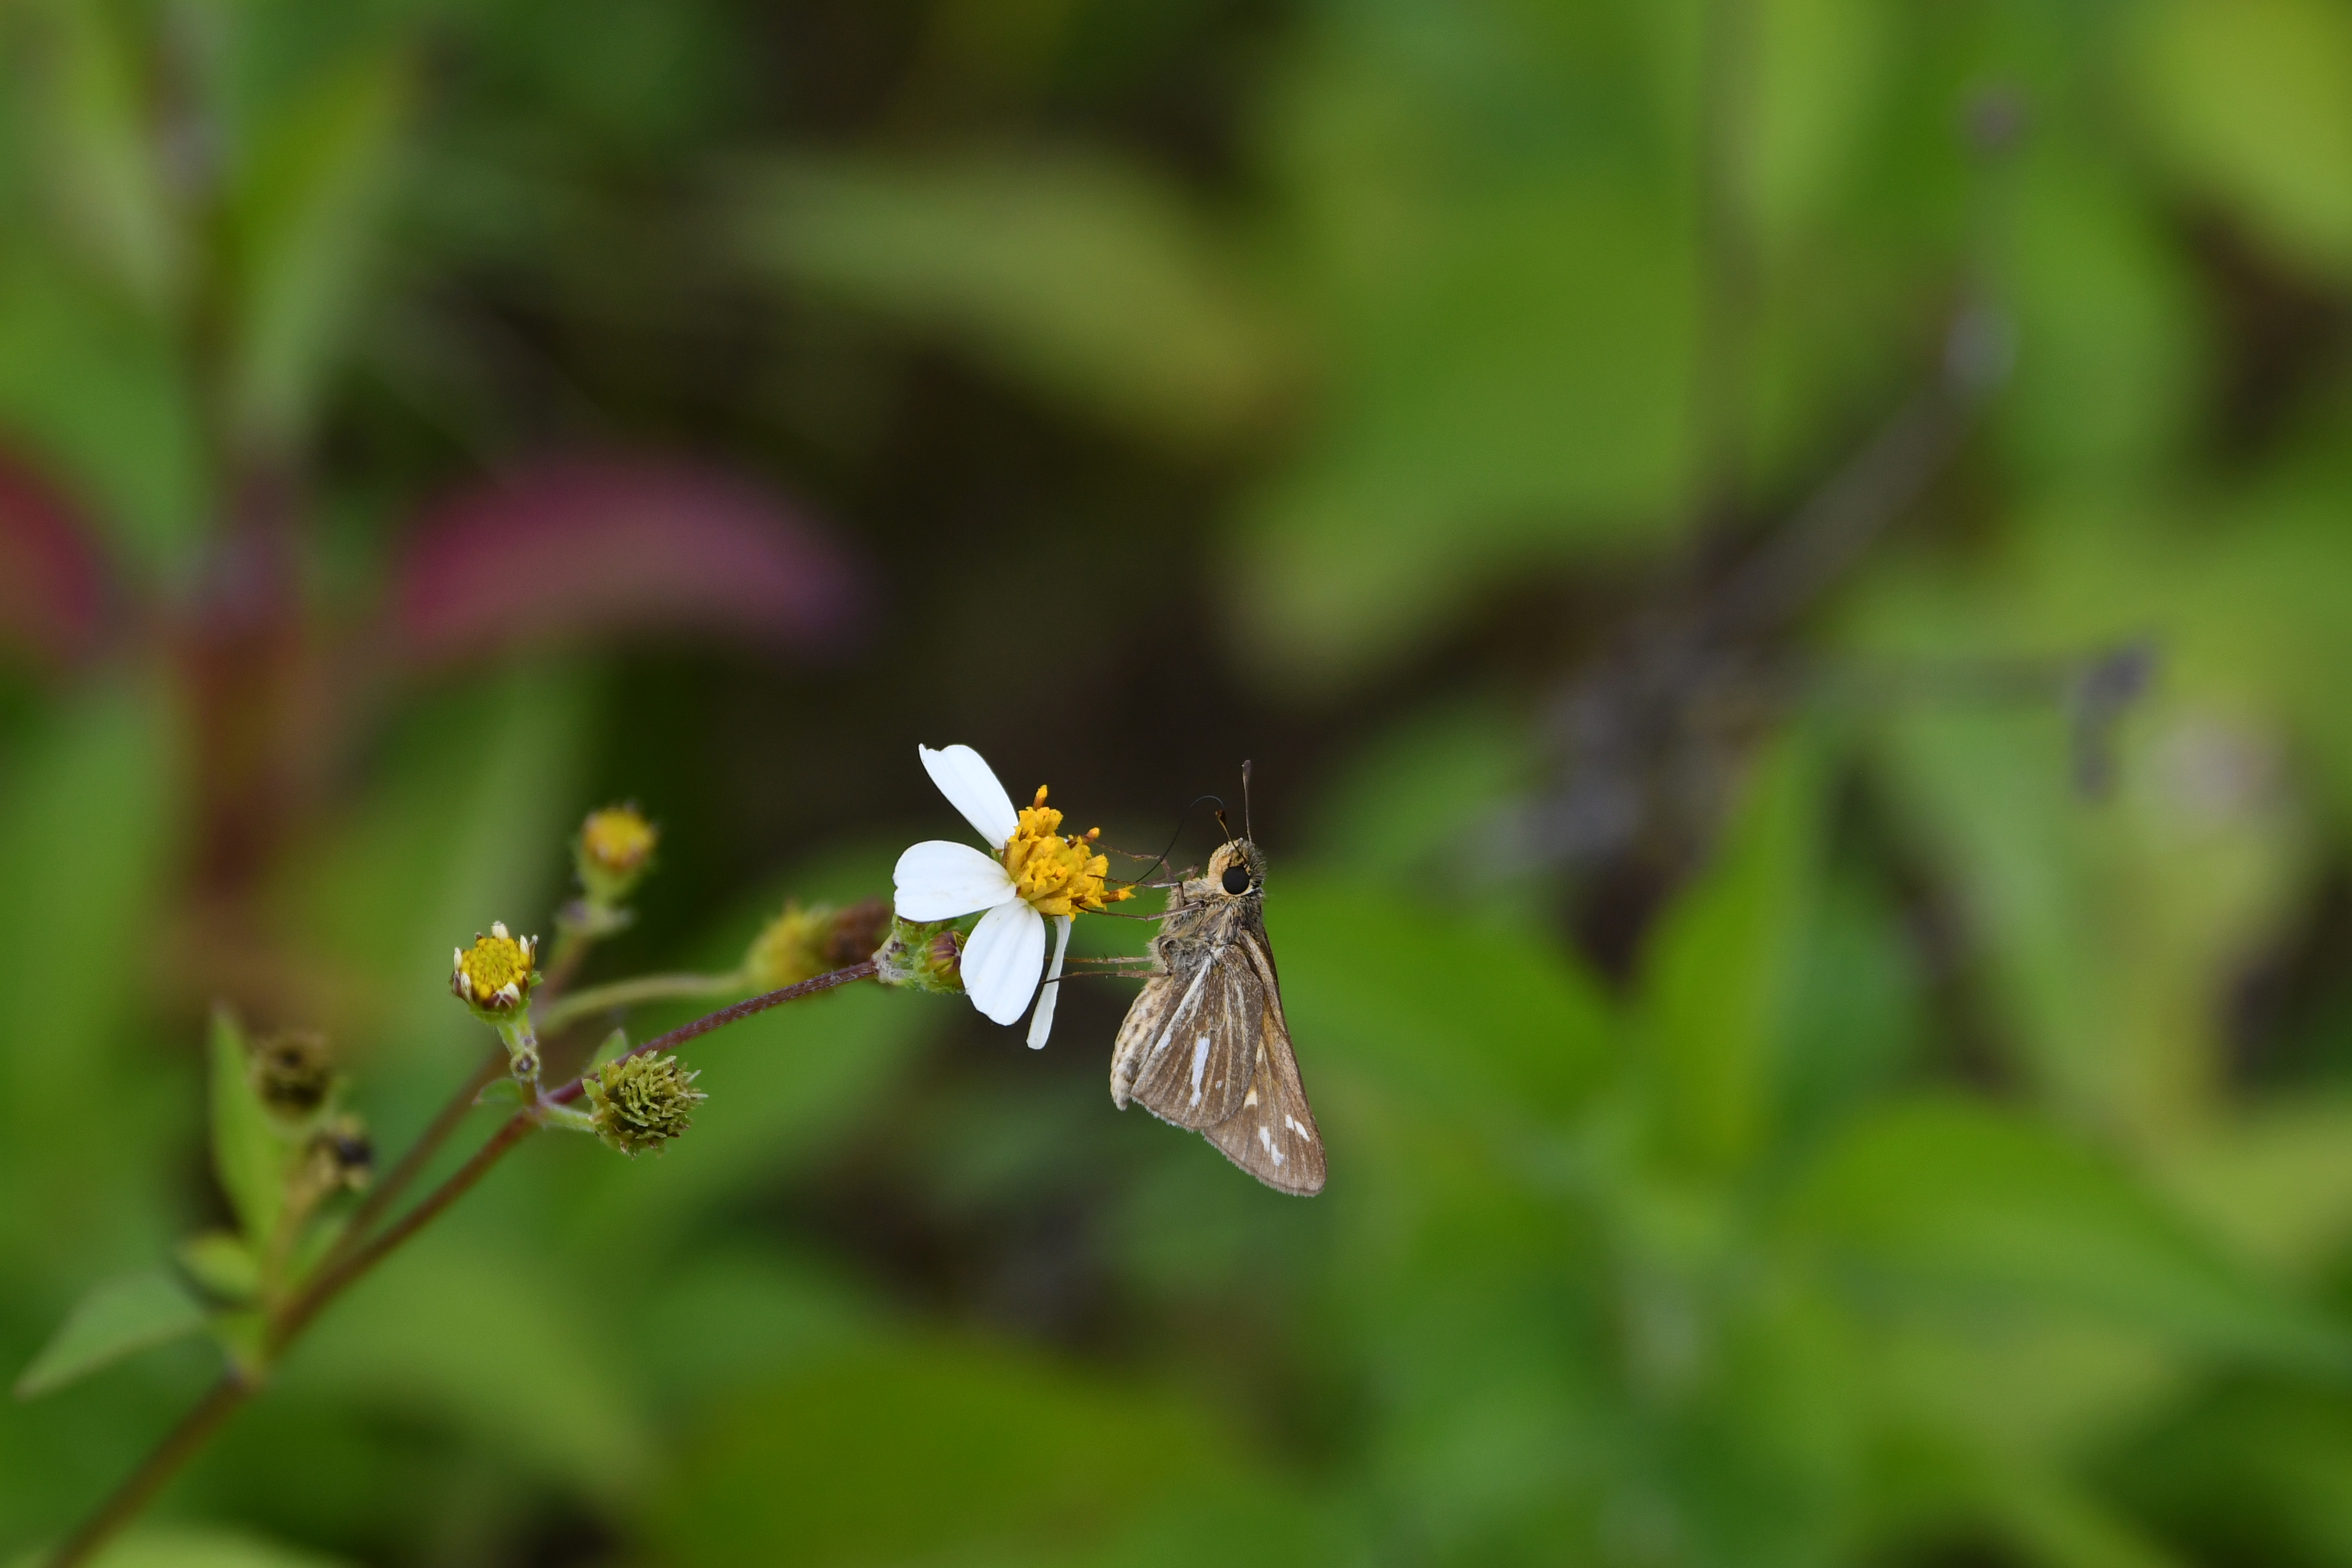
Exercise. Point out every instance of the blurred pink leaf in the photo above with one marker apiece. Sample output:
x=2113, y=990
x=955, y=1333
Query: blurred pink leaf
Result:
x=581, y=550
x=53, y=578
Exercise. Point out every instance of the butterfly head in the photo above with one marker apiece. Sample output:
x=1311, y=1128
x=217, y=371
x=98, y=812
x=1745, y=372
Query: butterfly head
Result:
x=1236, y=870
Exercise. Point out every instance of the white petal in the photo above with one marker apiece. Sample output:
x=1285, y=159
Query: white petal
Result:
x=971, y=789
x=938, y=879
x=1002, y=959
x=1042, y=1025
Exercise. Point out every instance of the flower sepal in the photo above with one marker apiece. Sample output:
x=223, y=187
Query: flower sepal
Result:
x=921, y=955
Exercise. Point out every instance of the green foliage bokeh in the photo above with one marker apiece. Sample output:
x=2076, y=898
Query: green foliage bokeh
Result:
x=1927, y=1140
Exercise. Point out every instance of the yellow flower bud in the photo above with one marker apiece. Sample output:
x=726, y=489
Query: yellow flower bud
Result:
x=615, y=848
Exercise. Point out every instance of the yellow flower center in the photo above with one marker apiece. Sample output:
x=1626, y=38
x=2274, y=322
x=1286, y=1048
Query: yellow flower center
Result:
x=495, y=963
x=1057, y=875
x=617, y=838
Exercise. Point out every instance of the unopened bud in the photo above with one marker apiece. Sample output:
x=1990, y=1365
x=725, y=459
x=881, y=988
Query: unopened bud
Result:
x=790, y=949
x=292, y=1074
x=615, y=848
x=641, y=1102
x=922, y=956
x=858, y=932
x=342, y=1155
x=802, y=944
x=339, y=1158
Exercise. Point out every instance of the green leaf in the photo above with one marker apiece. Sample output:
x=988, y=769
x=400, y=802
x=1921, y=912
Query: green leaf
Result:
x=304, y=221
x=2111, y=937
x=1523, y=401
x=197, y=1546
x=2276, y=1183
x=1818, y=68
x=96, y=393
x=614, y=1046
x=1960, y=1206
x=2267, y=1455
x=1015, y=1457
x=1858, y=1015
x=1083, y=276
x=2053, y=1524
x=2103, y=305
x=466, y=822
x=500, y=1091
x=222, y=1264
x=1413, y=807
x=475, y=1333
x=1494, y=248
x=249, y=1156
x=2252, y=100
x=1477, y=1022
x=1723, y=968
x=783, y=1085
x=86, y=804
x=116, y=1320
x=104, y=181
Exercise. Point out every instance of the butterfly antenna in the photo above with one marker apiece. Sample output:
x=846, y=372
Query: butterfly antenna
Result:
x=1248, y=830
x=1162, y=858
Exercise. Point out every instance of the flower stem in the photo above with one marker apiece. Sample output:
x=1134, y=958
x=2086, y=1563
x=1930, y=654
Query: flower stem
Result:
x=726, y=1016
x=629, y=993
x=287, y=1323
x=572, y=941
x=379, y=1202
x=349, y=1265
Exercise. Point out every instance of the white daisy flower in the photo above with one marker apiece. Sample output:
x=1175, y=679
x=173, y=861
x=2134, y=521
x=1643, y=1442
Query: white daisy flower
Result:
x=1035, y=875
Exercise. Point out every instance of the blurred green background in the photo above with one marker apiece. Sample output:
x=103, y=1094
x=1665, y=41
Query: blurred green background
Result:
x=1784, y=565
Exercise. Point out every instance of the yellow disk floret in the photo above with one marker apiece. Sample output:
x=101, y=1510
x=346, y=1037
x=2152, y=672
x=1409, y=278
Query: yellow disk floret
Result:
x=496, y=974
x=1057, y=875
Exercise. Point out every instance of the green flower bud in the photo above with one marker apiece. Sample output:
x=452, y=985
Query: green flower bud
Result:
x=615, y=847
x=791, y=947
x=922, y=956
x=641, y=1102
x=802, y=944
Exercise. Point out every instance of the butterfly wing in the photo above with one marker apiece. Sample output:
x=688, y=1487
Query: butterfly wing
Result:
x=1272, y=1133
x=1190, y=1045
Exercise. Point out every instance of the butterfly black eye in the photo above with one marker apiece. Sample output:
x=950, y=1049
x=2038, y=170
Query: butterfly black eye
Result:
x=1237, y=880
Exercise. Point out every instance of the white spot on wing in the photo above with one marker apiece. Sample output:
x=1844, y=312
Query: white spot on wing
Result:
x=1200, y=1062
x=1184, y=1005
x=1249, y=1099
x=1294, y=1126
x=1265, y=1138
